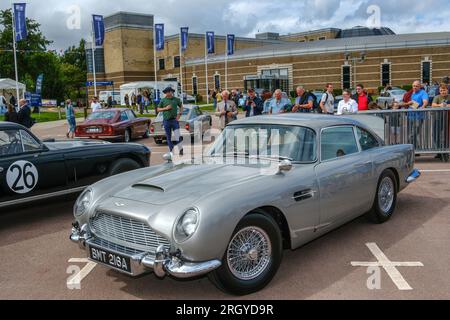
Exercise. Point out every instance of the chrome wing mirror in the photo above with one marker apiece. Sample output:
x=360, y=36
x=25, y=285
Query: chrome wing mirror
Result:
x=284, y=166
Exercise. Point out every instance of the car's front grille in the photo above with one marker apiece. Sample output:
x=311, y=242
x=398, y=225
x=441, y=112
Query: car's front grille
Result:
x=126, y=232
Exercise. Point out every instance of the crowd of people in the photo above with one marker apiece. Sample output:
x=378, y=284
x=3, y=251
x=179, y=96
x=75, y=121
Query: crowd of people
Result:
x=20, y=114
x=226, y=103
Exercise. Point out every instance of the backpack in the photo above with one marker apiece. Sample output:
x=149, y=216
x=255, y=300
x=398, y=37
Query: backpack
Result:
x=316, y=106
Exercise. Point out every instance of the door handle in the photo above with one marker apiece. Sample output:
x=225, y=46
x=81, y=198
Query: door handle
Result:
x=1, y=169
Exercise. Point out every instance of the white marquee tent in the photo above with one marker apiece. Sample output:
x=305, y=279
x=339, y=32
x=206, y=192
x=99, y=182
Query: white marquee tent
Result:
x=136, y=87
x=9, y=85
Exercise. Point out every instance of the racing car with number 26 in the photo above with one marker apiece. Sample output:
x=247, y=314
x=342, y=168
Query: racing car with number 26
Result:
x=266, y=184
x=34, y=170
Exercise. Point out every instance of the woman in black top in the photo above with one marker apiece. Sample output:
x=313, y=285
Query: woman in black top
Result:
x=11, y=114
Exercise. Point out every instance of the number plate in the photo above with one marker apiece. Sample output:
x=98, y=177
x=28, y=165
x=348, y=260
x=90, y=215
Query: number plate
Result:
x=110, y=259
x=93, y=130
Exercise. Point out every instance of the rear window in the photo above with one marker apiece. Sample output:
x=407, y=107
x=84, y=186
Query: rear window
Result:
x=106, y=115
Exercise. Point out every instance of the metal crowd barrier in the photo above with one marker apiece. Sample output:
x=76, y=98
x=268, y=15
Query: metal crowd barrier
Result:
x=428, y=129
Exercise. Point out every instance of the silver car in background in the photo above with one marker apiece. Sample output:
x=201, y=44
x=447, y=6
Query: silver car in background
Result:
x=231, y=216
x=387, y=100
x=191, y=114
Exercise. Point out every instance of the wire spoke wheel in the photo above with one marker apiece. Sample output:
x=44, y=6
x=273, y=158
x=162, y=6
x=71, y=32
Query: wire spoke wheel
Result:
x=249, y=253
x=386, y=194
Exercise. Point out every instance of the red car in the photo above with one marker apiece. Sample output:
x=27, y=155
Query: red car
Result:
x=114, y=124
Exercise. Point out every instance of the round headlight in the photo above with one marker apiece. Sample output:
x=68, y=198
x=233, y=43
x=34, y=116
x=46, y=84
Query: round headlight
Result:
x=83, y=203
x=187, y=225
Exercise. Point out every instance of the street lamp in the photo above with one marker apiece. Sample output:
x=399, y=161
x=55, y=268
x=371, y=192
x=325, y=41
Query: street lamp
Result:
x=355, y=60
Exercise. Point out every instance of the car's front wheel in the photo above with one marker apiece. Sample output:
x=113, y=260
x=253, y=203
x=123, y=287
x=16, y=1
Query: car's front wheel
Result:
x=253, y=256
x=122, y=166
x=385, y=199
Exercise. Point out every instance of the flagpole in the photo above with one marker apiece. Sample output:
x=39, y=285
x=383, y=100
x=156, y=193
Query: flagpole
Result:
x=226, y=64
x=181, y=69
x=93, y=59
x=206, y=67
x=154, y=62
x=15, y=54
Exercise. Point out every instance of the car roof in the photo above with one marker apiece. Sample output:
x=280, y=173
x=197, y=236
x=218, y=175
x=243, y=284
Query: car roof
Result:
x=190, y=106
x=113, y=110
x=9, y=125
x=313, y=121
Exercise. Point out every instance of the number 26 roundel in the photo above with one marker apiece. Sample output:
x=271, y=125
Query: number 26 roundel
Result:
x=22, y=177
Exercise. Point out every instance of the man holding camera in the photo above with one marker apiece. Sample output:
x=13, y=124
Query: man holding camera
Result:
x=254, y=106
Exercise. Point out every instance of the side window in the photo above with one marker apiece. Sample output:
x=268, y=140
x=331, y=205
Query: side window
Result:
x=29, y=143
x=123, y=116
x=131, y=114
x=10, y=143
x=338, y=142
x=366, y=140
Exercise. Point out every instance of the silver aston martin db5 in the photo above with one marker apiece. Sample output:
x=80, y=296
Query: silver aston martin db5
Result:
x=266, y=184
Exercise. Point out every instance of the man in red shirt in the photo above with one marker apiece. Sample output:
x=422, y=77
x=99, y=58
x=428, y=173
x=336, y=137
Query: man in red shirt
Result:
x=362, y=98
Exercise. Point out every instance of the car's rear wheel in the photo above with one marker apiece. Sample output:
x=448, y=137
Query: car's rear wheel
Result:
x=253, y=256
x=127, y=136
x=122, y=166
x=158, y=141
x=385, y=199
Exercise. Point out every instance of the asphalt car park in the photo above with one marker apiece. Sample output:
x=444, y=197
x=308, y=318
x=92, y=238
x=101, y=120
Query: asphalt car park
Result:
x=39, y=261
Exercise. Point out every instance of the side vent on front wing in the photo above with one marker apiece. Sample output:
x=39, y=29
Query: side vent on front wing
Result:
x=304, y=195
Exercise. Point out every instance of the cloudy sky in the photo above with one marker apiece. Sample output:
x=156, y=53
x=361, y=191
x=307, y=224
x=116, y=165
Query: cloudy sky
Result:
x=242, y=17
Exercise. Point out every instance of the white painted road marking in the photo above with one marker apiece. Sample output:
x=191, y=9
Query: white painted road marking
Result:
x=77, y=278
x=389, y=266
x=433, y=171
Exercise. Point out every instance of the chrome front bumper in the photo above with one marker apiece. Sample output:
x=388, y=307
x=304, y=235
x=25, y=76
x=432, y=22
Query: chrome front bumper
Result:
x=162, y=263
x=413, y=176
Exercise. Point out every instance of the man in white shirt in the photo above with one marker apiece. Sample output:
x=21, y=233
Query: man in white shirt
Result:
x=95, y=105
x=347, y=105
x=327, y=101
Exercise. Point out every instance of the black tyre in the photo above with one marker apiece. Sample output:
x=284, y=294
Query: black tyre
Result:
x=253, y=256
x=123, y=165
x=385, y=199
x=127, y=136
x=158, y=141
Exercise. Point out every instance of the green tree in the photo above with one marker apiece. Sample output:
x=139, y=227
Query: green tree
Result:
x=74, y=71
x=35, y=43
x=64, y=76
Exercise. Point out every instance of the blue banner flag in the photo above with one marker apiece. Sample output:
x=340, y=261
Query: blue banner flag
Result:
x=159, y=37
x=20, y=21
x=39, y=81
x=184, y=38
x=230, y=44
x=210, y=42
x=99, y=30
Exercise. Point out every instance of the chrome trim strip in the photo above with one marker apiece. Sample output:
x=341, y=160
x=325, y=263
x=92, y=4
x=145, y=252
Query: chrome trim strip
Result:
x=41, y=197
